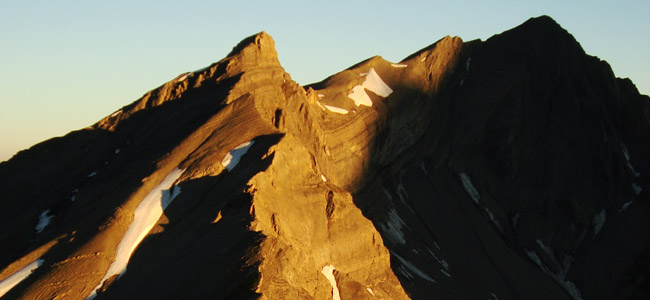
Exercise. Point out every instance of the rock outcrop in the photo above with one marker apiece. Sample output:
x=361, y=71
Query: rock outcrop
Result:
x=514, y=168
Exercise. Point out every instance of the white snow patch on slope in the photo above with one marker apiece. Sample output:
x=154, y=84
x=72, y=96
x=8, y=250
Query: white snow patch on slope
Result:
x=469, y=187
x=184, y=76
x=598, y=221
x=627, y=159
x=92, y=174
x=321, y=96
x=414, y=269
x=445, y=272
x=569, y=286
x=43, y=220
x=232, y=158
x=625, y=205
x=373, y=83
x=493, y=219
x=393, y=227
x=469, y=59
x=323, y=178
x=145, y=216
x=117, y=113
x=370, y=291
x=360, y=96
x=328, y=272
x=546, y=249
x=8, y=283
x=399, y=65
x=637, y=189
x=337, y=110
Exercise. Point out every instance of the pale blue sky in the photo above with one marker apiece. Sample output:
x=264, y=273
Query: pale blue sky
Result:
x=66, y=64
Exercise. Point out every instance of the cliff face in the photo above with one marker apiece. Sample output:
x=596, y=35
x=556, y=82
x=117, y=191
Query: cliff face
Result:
x=514, y=168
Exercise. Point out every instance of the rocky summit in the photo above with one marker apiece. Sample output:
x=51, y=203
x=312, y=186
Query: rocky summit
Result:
x=512, y=168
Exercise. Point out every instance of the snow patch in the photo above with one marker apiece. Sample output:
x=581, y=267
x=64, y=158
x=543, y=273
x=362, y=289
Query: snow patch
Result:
x=436, y=244
x=321, y=105
x=145, y=216
x=117, y=151
x=44, y=220
x=469, y=59
x=627, y=159
x=401, y=192
x=549, y=251
x=337, y=110
x=370, y=291
x=414, y=269
x=323, y=178
x=462, y=81
x=445, y=272
x=469, y=187
x=493, y=219
x=115, y=114
x=598, y=221
x=444, y=264
x=637, y=189
x=184, y=76
x=423, y=168
x=569, y=286
x=373, y=83
x=399, y=65
x=494, y=296
x=8, y=283
x=321, y=96
x=625, y=205
x=393, y=227
x=92, y=174
x=423, y=59
x=328, y=272
x=232, y=158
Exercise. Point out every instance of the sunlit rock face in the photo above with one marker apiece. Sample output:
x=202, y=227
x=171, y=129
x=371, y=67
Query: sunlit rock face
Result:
x=511, y=168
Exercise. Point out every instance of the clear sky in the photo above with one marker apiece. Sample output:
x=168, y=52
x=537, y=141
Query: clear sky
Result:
x=66, y=64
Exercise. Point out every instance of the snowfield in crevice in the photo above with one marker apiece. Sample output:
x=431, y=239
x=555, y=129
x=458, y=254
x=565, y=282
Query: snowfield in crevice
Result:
x=231, y=159
x=598, y=221
x=8, y=283
x=145, y=216
x=373, y=83
x=469, y=187
x=43, y=220
x=560, y=278
x=328, y=272
x=414, y=269
x=393, y=227
x=627, y=159
x=337, y=110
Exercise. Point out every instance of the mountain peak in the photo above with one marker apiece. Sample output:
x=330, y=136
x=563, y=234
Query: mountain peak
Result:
x=260, y=44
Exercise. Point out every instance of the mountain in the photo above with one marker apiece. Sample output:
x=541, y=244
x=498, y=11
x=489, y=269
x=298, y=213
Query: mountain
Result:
x=511, y=168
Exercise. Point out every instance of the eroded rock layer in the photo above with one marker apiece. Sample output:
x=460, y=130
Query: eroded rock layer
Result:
x=514, y=168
